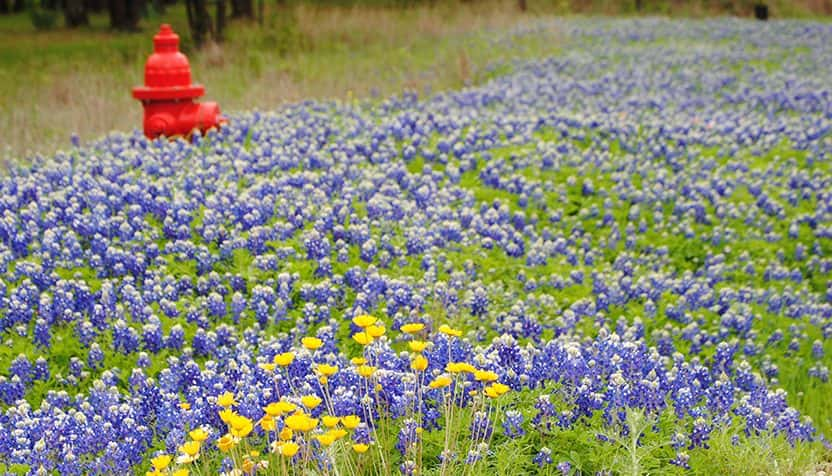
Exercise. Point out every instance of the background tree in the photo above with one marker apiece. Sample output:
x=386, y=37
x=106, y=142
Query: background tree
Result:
x=95, y=6
x=220, y=28
x=125, y=14
x=75, y=13
x=199, y=20
x=242, y=9
x=202, y=27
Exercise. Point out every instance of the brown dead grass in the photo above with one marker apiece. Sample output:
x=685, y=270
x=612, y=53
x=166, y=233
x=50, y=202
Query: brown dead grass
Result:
x=394, y=25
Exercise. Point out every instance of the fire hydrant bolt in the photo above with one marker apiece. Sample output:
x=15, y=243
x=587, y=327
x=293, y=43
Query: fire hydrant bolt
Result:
x=168, y=96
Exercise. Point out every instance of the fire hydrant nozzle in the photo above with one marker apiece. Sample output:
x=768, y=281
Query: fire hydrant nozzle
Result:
x=168, y=94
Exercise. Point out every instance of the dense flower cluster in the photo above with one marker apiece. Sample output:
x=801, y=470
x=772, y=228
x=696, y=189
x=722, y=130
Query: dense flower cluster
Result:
x=643, y=221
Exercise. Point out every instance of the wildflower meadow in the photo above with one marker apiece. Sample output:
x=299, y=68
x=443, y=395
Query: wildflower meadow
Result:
x=612, y=260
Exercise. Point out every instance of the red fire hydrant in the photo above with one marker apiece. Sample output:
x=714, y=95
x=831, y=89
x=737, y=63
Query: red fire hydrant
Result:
x=168, y=95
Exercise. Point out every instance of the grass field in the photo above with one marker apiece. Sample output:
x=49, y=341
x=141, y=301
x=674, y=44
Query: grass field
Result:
x=60, y=82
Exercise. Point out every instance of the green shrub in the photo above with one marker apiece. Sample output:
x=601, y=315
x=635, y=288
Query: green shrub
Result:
x=43, y=19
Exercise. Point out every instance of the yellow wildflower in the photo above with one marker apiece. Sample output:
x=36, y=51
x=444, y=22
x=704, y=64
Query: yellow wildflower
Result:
x=338, y=433
x=289, y=449
x=417, y=345
x=326, y=370
x=161, y=462
x=495, y=390
x=364, y=320
x=485, y=375
x=286, y=407
x=225, y=415
x=226, y=443
x=267, y=423
x=272, y=409
x=284, y=359
x=458, y=367
x=419, y=363
x=311, y=343
x=240, y=426
x=301, y=422
x=329, y=421
x=412, y=328
x=362, y=338
x=366, y=371
x=448, y=330
x=199, y=435
x=310, y=401
x=376, y=331
x=350, y=421
x=360, y=447
x=190, y=452
x=325, y=439
x=358, y=360
x=226, y=400
x=441, y=381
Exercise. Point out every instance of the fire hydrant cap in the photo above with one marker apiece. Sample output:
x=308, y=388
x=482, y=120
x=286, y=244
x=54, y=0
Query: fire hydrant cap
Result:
x=167, y=73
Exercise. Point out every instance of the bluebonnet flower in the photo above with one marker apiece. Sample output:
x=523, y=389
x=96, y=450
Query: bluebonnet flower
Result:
x=513, y=424
x=543, y=457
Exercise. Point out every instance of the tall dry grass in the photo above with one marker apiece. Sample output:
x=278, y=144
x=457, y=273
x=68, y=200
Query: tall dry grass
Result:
x=378, y=24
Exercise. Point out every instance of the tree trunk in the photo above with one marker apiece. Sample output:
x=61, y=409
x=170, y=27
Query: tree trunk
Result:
x=521, y=4
x=125, y=14
x=118, y=14
x=218, y=33
x=199, y=20
x=4, y=7
x=242, y=8
x=95, y=6
x=19, y=6
x=136, y=10
x=75, y=14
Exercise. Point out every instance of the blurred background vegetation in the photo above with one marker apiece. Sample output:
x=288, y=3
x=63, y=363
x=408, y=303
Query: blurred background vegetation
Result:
x=67, y=66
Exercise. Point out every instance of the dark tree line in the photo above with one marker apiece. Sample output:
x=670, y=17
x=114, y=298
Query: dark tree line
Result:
x=206, y=18
x=12, y=6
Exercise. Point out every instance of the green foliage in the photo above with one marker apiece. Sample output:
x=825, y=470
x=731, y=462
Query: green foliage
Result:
x=731, y=452
x=43, y=19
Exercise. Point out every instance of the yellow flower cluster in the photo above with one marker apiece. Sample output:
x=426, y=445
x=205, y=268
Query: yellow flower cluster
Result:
x=369, y=330
x=188, y=453
x=160, y=467
x=290, y=426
